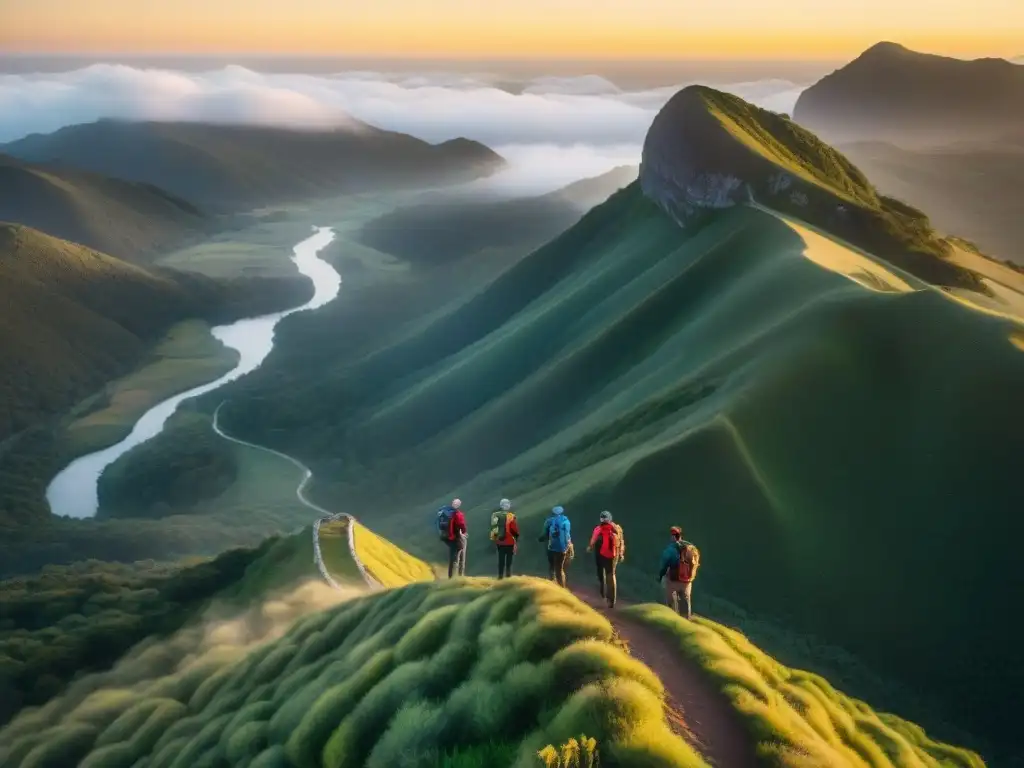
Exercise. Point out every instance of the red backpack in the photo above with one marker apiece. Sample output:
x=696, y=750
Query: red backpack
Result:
x=609, y=541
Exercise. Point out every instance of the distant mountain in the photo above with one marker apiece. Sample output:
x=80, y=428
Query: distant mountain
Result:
x=453, y=226
x=227, y=167
x=973, y=189
x=893, y=94
x=126, y=219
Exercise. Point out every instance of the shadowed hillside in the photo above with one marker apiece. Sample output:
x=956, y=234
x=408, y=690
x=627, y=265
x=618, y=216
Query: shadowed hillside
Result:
x=225, y=167
x=455, y=226
x=926, y=99
x=124, y=219
x=805, y=410
x=74, y=319
x=972, y=189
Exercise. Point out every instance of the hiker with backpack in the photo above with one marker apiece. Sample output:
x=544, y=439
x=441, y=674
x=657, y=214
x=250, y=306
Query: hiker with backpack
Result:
x=557, y=533
x=505, y=535
x=679, y=563
x=451, y=528
x=609, y=548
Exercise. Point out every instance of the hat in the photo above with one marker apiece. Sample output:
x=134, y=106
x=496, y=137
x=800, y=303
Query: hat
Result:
x=606, y=516
x=456, y=503
x=557, y=511
x=505, y=504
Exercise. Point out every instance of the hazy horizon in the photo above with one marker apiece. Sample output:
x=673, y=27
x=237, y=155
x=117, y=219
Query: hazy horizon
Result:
x=796, y=29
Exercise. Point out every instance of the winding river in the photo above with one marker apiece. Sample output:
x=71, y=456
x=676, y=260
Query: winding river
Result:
x=73, y=492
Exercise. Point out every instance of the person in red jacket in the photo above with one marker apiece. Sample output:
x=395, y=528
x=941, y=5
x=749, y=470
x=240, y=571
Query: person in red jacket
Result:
x=457, y=535
x=609, y=547
x=505, y=535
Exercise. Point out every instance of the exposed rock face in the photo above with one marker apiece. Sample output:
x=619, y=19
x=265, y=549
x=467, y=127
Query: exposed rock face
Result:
x=691, y=162
x=678, y=168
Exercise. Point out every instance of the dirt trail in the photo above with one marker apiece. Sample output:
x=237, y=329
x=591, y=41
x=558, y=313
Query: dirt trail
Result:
x=696, y=710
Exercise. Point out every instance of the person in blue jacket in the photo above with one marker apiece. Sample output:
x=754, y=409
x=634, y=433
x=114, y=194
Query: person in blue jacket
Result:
x=557, y=533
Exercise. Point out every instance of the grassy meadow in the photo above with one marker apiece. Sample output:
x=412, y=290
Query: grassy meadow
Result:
x=410, y=676
x=187, y=357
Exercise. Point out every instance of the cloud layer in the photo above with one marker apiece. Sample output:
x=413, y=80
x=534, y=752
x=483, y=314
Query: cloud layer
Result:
x=588, y=122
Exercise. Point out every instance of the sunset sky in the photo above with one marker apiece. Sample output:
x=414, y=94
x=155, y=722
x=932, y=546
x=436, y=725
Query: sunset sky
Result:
x=504, y=28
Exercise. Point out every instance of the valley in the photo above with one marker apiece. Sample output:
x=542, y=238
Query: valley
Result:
x=244, y=364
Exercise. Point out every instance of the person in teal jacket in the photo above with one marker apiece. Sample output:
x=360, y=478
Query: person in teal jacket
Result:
x=677, y=575
x=558, y=534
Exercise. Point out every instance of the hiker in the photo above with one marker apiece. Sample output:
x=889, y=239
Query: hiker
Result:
x=609, y=548
x=679, y=563
x=505, y=535
x=451, y=527
x=557, y=534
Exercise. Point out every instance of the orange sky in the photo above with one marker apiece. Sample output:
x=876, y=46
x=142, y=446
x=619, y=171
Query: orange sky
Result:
x=573, y=28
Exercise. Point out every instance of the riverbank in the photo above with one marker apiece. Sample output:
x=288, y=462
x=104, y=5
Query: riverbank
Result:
x=73, y=492
x=187, y=357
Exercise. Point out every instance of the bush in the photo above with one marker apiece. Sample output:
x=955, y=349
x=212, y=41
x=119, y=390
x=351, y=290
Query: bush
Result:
x=797, y=718
x=428, y=675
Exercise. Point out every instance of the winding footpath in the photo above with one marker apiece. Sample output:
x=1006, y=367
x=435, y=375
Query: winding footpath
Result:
x=300, y=494
x=696, y=710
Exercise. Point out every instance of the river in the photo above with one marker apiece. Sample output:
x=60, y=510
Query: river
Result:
x=73, y=492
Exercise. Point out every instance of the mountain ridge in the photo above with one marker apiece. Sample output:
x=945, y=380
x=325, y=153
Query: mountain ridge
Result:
x=231, y=167
x=129, y=220
x=927, y=99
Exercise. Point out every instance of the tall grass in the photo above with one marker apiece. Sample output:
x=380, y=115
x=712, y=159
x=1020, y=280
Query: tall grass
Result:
x=796, y=718
x=460, y=674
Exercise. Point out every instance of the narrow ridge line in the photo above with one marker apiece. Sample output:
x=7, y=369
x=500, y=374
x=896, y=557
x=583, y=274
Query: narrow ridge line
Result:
x=300, y=494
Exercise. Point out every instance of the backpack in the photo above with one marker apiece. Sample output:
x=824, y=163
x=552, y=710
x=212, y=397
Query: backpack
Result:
x=499, y=526
x=609, y=542
x=444, y=523
x=689, y=561
x=558, y=535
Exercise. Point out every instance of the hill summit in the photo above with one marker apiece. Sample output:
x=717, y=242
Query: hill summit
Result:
x=710, y=150
x=927, y=99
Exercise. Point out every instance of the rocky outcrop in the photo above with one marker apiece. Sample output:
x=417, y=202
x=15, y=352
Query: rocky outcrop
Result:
x=678, y=169
x=692, y=162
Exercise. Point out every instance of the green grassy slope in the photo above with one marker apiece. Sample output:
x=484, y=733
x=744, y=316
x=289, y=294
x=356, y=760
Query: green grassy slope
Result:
x=225, y=167
x=801, y=427
x=72, y=320
x=404, y=677
x=129, y=220
x=797, y=718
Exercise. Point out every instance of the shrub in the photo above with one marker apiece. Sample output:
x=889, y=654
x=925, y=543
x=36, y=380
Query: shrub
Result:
x=463, y=674
x=575, y=753
x=797, y=718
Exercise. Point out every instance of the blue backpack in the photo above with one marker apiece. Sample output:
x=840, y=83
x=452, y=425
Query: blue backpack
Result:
x=444, y=522
x=558, y=534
